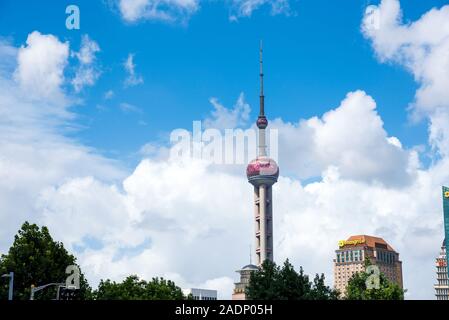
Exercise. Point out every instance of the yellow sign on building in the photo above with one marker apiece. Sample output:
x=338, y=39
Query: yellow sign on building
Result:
x=343, y=243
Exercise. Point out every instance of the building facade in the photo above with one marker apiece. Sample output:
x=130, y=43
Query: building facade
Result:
x=240, y=287
x=202, y=294
x=350, y=259
x=442, y=286
x=446, y=219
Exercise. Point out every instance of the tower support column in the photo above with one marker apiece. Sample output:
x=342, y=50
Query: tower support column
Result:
x=263, y=222
x=257, y=224
x=269, y=224
x=262, y=147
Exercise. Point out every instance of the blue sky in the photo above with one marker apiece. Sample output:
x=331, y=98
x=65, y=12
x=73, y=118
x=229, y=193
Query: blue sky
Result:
x=346, y=166
x=312, y=58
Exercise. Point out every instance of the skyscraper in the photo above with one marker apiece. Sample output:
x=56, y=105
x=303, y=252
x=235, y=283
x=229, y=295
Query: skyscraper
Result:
x=442, y=287
x=442, y=262
x=351, y=255
x=262, y=173
x=446, y=220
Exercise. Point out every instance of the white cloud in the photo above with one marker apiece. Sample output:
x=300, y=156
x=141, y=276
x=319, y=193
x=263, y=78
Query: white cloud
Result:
x=84, y=77
x=34, y=153
x=312, y=218
x=129, y=108
x=41, y=63
x=168, y=214
x=86, y=73
x=245, y=8
x=351, y=138
x=133, y=79
x=87, y=52
x=421, y=47
x=165, y=10
x=181, y=10
x=9, y=56
x=223, y=118
x=224, y=285
x=109, y=94
x=148, y=212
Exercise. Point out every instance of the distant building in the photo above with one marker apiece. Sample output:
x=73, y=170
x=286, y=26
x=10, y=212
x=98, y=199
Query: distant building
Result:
x=442, y=287
x=240, y=287
x=446, y=219
x=201, y=294
x=351, y=255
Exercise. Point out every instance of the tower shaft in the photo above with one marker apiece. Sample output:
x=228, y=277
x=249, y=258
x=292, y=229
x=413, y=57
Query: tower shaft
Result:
x=261, y=146
x=263, y=214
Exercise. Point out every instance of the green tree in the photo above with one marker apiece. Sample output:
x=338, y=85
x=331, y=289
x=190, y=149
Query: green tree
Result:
x=263, y=283
x=133, y=288
x=274, y=283
x=357, y=290
x=36, y=259
x=292, y=285
x=322, y=292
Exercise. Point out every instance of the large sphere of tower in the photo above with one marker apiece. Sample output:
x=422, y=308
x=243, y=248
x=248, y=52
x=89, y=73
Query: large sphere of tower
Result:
x=262, y=170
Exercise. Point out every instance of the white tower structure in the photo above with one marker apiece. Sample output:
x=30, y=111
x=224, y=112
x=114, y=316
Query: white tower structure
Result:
x=442, y=287
x=262, y=173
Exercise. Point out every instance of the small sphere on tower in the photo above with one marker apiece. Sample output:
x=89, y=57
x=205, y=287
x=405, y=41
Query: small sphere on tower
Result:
x=262, y=122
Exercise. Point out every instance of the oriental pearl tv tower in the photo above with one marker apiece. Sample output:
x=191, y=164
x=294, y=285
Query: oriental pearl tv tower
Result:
x=262, y=173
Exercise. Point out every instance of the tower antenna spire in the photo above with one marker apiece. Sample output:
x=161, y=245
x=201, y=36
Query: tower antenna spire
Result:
x=262, y=102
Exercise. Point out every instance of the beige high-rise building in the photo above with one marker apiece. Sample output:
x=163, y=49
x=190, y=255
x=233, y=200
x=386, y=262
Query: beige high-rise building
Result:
x=351, y=254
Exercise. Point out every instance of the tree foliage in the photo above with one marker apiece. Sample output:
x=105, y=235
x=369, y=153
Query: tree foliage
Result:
x=357, y=290
x=36, y=259
x=322, y=292
x=272, y=282
x=133, y=288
